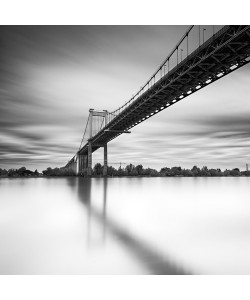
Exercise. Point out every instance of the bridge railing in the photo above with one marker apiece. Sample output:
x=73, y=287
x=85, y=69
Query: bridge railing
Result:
x=193, y=38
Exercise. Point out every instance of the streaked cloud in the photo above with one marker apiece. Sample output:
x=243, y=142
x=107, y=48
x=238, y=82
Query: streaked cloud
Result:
x=51, y=75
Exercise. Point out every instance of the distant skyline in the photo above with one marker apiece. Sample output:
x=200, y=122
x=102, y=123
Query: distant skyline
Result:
x=51, y=76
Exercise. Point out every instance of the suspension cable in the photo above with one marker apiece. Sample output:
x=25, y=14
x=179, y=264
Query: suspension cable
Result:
x=159, y=68
x=101, y=124
x=84, y=133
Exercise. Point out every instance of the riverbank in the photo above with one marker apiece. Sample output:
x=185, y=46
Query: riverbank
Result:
x=116, y=176
x=129, y=171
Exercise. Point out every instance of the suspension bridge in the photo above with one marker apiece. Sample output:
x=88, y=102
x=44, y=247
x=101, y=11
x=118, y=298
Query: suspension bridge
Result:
x=203, y=55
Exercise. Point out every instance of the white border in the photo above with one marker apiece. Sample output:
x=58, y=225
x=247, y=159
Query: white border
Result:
x=124, y=287
x=105, y=12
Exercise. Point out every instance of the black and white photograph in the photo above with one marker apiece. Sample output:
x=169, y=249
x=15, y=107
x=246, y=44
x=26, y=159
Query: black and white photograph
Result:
x=124, y=149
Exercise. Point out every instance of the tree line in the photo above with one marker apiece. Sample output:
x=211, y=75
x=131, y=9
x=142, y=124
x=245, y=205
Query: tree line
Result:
x=129, y=170
x=132, y=170
x=21, y=172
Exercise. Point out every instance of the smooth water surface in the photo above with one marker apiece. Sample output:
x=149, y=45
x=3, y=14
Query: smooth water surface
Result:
x=124, y=226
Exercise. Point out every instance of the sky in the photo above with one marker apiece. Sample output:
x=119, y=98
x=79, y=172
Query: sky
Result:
x=50, y=76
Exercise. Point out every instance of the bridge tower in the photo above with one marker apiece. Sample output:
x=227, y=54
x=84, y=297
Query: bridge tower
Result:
x=103, y=115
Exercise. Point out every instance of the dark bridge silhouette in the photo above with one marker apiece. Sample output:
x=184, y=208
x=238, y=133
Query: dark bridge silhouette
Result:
x=203, y=55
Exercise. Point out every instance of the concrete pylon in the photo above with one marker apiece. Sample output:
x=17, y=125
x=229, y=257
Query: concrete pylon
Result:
x=105, y=168
x=91, y=111
x=78, y=164
x=90, y=158
x=102, y=114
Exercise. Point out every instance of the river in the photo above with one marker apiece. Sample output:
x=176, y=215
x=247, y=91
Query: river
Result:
x=125, y=225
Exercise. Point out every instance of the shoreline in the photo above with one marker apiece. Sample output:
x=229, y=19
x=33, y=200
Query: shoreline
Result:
x=136, y=176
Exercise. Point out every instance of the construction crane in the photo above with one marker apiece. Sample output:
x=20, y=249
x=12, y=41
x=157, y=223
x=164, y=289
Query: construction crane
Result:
x=115, y=163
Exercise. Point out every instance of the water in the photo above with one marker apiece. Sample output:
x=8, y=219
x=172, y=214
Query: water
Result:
x=124, y=226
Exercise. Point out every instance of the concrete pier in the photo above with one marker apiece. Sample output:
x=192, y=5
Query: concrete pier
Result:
x=105, y=168
x=89, y=158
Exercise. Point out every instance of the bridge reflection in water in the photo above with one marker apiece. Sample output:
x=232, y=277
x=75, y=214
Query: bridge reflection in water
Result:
x=150, y=258
x=125, y=226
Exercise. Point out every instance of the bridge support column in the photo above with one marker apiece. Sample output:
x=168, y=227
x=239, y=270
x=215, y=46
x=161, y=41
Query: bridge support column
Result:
x=74, y=164
x=78, y=164
x=105, y=168
x=90, y=158
x=82, y=164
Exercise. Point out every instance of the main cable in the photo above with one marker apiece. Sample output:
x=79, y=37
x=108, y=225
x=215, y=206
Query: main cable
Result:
x=84, y=133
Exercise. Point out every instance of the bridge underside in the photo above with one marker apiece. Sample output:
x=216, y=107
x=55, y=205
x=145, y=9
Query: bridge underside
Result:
x=81, y=164
x=226, y=51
